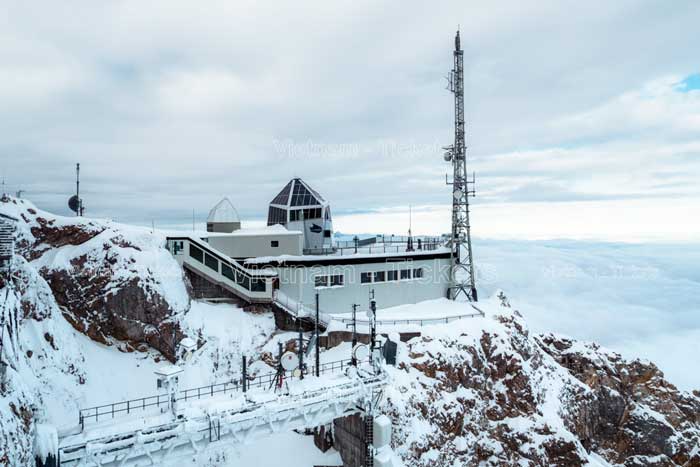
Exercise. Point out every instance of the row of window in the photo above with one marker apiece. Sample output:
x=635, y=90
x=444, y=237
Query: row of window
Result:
x=389, y=276
x=276, y=216
x=309, y=213
x=329, y=280
x=338, y=280
x=248, y=283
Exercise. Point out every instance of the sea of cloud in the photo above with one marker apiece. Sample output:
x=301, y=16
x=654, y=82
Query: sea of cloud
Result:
x=641, y=300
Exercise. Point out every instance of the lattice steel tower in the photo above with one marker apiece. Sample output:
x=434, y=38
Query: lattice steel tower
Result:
x=462, y=262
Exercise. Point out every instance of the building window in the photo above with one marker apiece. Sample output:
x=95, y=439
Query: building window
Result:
x=227, y=272
x=274, y=243
x=196, y=253
x=337, y=280
x=327, y=233
x=211, y=262
x=379, y=276
x=393, y=275
x=276, y=215
x=365, y=277
x=257, y=285
x=405, y=274
x=321, y=281
x=418, y=273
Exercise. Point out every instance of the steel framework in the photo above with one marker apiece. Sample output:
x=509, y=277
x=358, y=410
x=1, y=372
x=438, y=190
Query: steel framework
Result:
x=462, y=280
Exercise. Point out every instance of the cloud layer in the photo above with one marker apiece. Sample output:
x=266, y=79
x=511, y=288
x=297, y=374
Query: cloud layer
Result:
x=169, y=105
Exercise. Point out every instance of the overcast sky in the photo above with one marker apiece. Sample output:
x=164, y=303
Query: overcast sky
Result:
x=583, y=117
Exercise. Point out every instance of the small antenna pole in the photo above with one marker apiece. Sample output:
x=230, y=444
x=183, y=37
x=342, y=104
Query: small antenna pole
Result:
x=318, y=343
x=77, y=189
x=354, y=332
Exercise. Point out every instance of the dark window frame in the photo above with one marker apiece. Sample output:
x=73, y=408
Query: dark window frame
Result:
x=366, y=277
x=196, y=253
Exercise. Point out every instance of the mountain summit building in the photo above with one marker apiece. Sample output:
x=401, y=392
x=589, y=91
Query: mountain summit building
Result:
x=296, y=257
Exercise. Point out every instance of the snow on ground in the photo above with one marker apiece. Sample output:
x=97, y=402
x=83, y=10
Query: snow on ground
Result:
x=289, y=449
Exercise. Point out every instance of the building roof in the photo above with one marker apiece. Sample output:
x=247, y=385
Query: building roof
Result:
x=298, y=193
x=223, y=211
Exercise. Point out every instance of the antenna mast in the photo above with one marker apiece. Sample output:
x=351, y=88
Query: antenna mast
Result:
x=462, y=267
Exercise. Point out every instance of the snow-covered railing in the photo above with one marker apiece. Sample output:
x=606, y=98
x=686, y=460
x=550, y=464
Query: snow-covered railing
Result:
x=264, y=381
x=154, y=442
x=419, y=321
x=299, y=310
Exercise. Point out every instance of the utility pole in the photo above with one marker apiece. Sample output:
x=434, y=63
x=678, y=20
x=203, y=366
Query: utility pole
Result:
x=301, y=353
x=354, y=331
x=372, y=322
x=461, y=267
x=318, y=342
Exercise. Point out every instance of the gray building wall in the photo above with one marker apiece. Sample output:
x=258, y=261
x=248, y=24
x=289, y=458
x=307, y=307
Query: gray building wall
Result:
x=223, y=227
x=247, y=246
x=298, y=283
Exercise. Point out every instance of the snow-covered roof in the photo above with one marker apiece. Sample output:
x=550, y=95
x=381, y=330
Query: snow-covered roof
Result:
x=223, y=212
x=168, y=370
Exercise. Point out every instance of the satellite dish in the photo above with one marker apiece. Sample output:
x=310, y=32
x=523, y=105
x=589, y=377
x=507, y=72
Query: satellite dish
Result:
x=360, y=352
x=74, y=203
x=296, y=373
x=290, y=361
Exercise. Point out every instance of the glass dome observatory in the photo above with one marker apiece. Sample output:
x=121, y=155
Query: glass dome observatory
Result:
x=300, y=207
x=223, y=217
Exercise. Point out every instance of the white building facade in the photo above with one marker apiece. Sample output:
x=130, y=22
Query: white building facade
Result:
x=341, y=281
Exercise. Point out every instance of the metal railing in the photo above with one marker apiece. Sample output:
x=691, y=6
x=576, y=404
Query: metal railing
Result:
x=299, y=310
x=264, y=381
x=110, y=410
x=419, y=322
x=389, y=247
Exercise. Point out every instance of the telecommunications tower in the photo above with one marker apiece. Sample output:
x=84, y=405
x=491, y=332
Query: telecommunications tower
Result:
x=462, y=263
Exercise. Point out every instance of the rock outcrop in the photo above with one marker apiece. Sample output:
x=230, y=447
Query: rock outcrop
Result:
x=115, y=283
x=485, y=392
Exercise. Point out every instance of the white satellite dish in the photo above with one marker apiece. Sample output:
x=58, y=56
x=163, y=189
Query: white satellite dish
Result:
x=360, y=352
x=290, y=361
x=296, y=373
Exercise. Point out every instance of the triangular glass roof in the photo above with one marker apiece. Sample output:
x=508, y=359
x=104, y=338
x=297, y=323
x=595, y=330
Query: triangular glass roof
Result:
x=298, y=193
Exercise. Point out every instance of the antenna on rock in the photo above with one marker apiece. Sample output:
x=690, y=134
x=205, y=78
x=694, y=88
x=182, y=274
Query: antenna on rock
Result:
x=74, y=202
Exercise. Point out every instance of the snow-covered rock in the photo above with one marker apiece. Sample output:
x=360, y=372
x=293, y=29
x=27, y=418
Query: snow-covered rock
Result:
x=486, y=392
x=113, y=282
